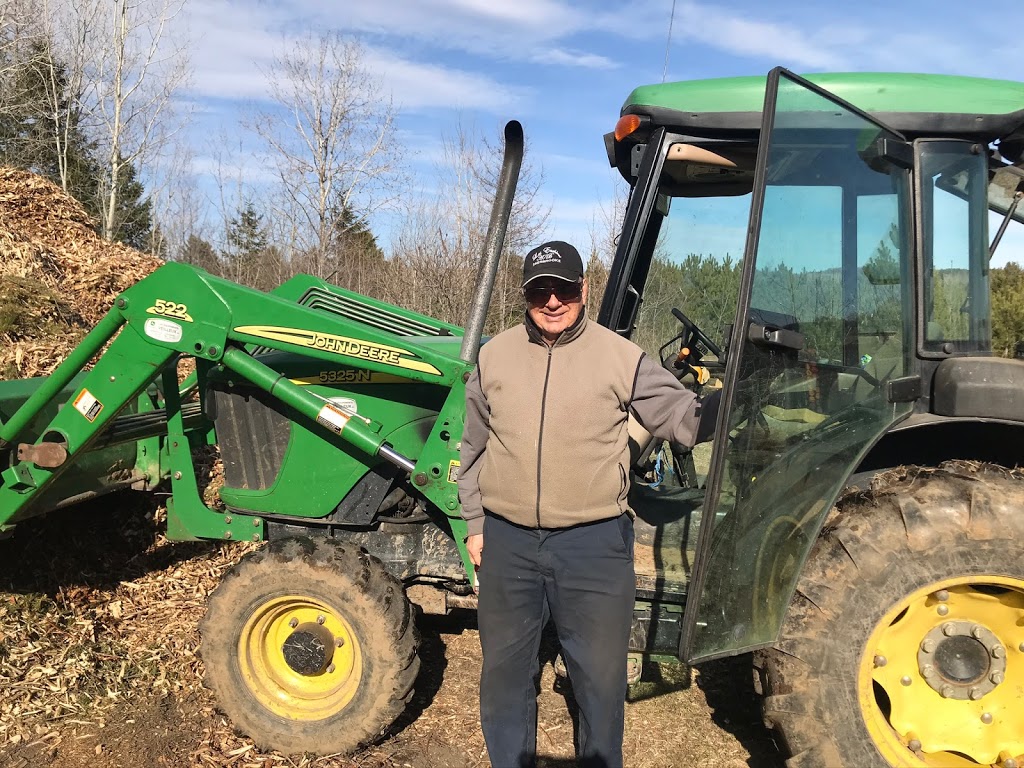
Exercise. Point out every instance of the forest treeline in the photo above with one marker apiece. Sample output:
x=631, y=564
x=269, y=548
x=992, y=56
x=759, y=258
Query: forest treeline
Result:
x=94, y=97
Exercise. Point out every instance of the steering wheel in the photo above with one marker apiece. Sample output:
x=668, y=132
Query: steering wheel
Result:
x=694, y=345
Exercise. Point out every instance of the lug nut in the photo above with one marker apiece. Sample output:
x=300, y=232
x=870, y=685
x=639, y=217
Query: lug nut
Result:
x=880, y=661
x=998, y=652
x=947, y=691
x=928, y=646
x=948, y=630
x=293, y=623
x=976, y=632
x=996, y=677
x=330, y=668
x=928, y=670
x=321, y=619
x=942, y=609
x=905, y=680
x=975, y=694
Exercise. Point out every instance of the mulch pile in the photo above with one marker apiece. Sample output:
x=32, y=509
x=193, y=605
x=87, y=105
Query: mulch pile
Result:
x=57, y=276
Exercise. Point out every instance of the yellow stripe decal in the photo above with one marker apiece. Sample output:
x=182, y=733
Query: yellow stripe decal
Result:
x=340, y=345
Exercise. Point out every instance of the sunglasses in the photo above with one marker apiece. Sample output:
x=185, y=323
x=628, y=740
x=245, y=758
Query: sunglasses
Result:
x=563, y=292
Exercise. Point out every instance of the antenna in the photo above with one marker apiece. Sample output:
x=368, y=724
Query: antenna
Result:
x=668, y=43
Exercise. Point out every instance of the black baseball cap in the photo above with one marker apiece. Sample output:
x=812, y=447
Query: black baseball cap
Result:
x=553, y=259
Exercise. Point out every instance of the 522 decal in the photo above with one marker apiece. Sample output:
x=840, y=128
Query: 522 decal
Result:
x=170, y=309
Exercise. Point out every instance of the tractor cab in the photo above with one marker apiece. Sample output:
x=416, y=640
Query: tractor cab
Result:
x=819, y=249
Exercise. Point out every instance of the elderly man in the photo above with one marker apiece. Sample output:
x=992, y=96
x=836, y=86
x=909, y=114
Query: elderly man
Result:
x=544, y=481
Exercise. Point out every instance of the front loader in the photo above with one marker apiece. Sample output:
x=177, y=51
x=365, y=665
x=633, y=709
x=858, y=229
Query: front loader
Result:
x=338, y=419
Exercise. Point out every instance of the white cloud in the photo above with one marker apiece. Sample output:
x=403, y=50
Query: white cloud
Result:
x=570, y=58
x=762, y=39
x=416, y=86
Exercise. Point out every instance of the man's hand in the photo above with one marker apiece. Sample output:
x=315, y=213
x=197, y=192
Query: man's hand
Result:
x=475, y=548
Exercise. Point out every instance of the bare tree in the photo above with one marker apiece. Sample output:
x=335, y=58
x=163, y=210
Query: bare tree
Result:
x=135, y=72
x=439, y=247
x=604, y=239
x=70, y=29
x=23, y=100
x=329, y=135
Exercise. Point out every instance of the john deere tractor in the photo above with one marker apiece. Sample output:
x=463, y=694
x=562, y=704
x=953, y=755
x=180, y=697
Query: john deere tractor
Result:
x=854, y=525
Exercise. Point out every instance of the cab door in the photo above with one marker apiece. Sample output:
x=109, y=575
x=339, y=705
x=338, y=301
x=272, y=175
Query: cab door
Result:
x=819, y=361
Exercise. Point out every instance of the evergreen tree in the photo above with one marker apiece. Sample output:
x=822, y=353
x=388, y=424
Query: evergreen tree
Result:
x=200, y=253
x=1007, y=308
x=133, y=220
x=248, y=257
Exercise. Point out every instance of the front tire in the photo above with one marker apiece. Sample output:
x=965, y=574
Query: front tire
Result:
x=310, y=646
x=904, y=643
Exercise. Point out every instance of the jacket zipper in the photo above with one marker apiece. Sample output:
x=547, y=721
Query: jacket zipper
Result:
x=540, y=435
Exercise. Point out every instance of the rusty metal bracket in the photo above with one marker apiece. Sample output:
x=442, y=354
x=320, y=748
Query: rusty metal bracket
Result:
x=44, y=455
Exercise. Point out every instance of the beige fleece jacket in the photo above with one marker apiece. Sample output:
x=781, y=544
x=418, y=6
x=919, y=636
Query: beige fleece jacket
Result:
x=545, y=442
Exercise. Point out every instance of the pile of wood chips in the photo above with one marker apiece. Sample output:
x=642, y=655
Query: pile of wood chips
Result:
x=57, y=276
x=99, y=611
x=83, y=634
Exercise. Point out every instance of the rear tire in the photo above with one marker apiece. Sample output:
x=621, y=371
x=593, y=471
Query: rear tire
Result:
x=310, y=646
x=903, y=643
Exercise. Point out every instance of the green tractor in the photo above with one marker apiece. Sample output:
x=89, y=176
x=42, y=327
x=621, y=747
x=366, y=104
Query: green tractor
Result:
x=853, y=526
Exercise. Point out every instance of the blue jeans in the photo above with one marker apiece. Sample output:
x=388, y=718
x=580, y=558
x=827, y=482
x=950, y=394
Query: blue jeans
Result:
x=582, y=578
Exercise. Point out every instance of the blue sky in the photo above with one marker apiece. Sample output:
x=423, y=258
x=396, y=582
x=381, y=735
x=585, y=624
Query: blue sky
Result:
x=564, y=67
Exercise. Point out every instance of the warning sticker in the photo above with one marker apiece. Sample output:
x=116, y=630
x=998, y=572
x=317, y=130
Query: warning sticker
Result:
x=87, y=405
x=332, y=417
x=453, y=471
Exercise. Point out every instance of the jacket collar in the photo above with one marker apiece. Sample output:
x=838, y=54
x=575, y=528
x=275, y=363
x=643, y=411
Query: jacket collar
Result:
x=567, y=336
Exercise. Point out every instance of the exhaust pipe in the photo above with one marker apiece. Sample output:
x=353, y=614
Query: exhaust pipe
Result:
x=500, y=212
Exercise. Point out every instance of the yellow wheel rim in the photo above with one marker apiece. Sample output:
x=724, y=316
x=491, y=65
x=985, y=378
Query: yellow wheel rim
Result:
x=942, y=675
x=300, y=658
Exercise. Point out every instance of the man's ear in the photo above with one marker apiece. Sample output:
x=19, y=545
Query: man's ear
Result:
x=584, y=291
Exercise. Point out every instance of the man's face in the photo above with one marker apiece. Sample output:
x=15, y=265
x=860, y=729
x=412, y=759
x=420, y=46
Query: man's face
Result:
x=554, y=304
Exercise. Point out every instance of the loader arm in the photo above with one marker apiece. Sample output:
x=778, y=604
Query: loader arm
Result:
x=180, y=310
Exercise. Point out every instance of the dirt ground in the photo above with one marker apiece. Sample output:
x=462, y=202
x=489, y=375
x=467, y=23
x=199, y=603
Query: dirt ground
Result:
x=99, y=667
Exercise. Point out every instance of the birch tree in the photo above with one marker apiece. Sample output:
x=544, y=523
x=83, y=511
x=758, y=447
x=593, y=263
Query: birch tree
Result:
x=328, y=134
x=135, y=71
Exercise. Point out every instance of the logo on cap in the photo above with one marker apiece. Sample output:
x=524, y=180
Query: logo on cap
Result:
x=546, y=255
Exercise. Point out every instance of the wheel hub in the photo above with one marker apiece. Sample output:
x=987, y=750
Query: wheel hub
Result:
x=309, y=649
x=300, y=658
x=962, y=660
x=937, y=685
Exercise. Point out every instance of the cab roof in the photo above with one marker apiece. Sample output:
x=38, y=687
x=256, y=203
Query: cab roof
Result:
x=914, y=104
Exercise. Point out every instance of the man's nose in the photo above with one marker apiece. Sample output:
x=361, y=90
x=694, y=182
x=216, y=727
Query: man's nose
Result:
x=553, y=301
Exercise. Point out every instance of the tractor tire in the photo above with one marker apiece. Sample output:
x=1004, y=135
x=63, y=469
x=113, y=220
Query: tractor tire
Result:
x=904, y=642
x=310, y=646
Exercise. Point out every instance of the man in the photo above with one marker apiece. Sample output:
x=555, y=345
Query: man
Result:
x=543, y=481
